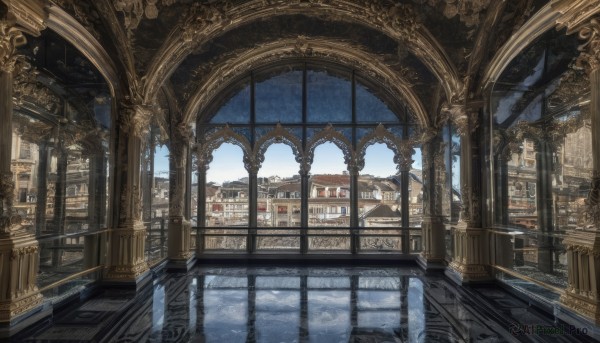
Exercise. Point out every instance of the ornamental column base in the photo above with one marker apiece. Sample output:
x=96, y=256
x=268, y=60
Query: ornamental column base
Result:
x=128, y=266
x=181, y=257
x=581, y=299
x=469, y=263
x=21, y=303
x=433, y=256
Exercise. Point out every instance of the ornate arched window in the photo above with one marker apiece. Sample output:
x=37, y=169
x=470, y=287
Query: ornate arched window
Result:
x=307, y=106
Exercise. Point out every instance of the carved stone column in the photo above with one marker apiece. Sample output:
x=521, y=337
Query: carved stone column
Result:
x=252, y=166
x=201, y=219
x=433, y=254
x=354, y=169
x=180, y=233
x=20, y=300
x=470, y=262
x=582, y=295
x=127, y=242
x=304, y=195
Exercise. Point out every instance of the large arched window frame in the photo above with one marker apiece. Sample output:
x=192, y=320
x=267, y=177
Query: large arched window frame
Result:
x=368, y=115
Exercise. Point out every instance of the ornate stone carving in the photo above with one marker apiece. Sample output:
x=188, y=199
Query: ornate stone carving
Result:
x=134, y=119
x=590, y=49
x=27, y=87
x=278, y=135
x=212, y=141
x=590, y=217
x=404, y=159
x=470, y=205
x=7, y=187
x=379, y=135
x=205, y=21
x=202, y=17
x=465, y=122
x=29, y=15
x=329, y=134
x=135, y=10
x=225, y=71
x=10, y=39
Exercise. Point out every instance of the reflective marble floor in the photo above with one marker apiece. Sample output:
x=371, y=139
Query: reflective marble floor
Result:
x=302, y=304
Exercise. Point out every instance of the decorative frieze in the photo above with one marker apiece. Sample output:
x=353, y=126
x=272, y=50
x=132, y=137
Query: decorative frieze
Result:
x=11, y=38
x=582, y=294
x=19, y=263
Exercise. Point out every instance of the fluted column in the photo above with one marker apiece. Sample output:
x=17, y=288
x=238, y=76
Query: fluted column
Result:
x=582, y=295
x=433, y=253
x=127, y=262
x=470, y=262
x=179, y=234
x=19, y=250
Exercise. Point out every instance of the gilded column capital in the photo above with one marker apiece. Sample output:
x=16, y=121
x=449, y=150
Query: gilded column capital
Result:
x=252, y=164
x=135, y=119
x=404, y=159
x=11, y=38
x=589, y=33
x=466, y=122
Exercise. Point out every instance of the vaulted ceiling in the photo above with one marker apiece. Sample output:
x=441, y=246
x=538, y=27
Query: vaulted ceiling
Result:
x=174, y=52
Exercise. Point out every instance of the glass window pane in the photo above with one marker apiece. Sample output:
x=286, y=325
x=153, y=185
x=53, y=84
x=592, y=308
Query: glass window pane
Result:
x=226, y=200
x=278, y=204
x=329, y=200
x=279, y=98
x=379, y=201
x=236, y=110
x=370, y=109
x=329, y=98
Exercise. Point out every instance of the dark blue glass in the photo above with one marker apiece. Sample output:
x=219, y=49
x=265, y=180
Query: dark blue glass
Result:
x=236, y=110
x=370, y=109
x=279, y=98
x=329, y=98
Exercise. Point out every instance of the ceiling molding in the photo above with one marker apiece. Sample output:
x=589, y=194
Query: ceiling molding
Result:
x=222, y=74
x=210, y=21
x=72, y=31
x=541, y=22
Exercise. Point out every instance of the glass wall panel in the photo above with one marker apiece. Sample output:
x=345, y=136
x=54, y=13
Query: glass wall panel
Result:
x=279, y=198
x=542, y=158
x=329, y=97
x=77, y=194
x=226, y=200
x=415, y=190
x=329, y=200
x=379, y=201
x=455, y=196
x=278, y=98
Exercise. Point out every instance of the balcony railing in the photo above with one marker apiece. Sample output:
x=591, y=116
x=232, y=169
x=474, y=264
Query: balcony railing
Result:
x=324, y=239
